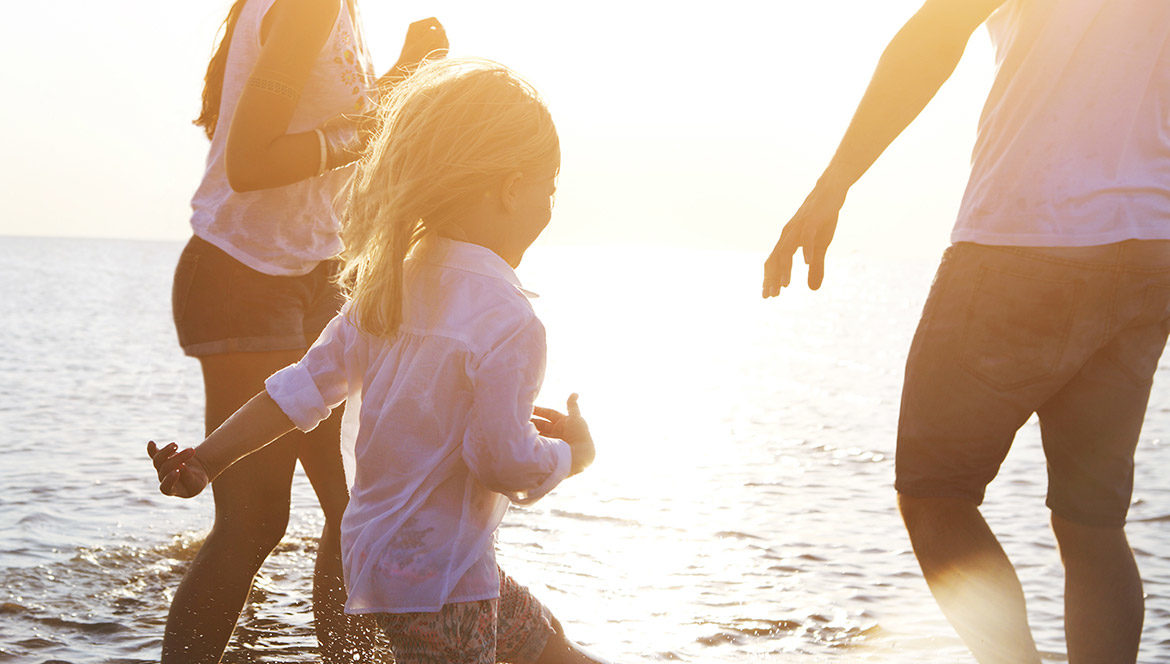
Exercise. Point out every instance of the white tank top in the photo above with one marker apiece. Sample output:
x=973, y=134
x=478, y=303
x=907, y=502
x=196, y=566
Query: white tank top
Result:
x=283, y=230
x=1074, y=143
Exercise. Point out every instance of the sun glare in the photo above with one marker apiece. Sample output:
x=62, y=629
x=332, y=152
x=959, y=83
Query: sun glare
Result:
x=669, y=119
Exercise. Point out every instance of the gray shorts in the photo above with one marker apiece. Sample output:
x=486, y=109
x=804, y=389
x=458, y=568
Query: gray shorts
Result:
x=221, y=305
x=1072, y=334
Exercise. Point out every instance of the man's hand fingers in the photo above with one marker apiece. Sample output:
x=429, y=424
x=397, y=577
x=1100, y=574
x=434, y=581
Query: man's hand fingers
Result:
x=816, y=268
x=811, y=229
x=778, y=267
x=574, y=409
x=777, y=271
x=818, y=247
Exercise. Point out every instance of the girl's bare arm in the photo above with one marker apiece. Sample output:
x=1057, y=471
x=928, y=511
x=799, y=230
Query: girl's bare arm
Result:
x=185, y=473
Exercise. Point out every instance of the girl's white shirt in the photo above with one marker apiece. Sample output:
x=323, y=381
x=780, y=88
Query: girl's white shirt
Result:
x=283, y=231
x=445, y=436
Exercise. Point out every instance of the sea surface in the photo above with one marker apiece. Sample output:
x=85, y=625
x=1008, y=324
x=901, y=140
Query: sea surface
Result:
x=740, y=509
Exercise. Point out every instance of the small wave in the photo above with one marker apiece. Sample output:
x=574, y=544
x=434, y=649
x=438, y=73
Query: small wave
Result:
x=733, y=534
x=36, y=517
x=815, y=628
x=37, y=642
x=92, y=628
x=740, y=633
x=595, y=518
x=115, y=597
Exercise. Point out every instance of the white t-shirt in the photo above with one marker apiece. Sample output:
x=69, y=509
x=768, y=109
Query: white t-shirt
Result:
x=445, y=436
x=285, y=230
x=1074, y=142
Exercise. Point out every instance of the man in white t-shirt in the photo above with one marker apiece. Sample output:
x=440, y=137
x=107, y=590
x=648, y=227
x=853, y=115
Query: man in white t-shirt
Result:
x=1054, y=299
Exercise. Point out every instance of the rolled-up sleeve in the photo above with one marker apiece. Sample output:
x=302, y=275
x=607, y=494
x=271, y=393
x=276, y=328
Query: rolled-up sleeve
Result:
x=502, y=447
x=309, y=390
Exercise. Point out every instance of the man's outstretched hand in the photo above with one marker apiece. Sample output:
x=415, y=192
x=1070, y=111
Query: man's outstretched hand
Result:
x=811, y=229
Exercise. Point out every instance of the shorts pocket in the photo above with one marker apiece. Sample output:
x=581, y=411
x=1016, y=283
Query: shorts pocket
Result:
x=181, y=288
x=1139, y=347
x=1017, y=328
x=1156, y=305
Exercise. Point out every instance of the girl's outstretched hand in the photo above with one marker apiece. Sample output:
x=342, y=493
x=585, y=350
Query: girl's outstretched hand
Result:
x=570, y=428
x=180, y=472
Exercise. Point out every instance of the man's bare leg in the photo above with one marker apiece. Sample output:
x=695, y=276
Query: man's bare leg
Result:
x=971, y=578
x=1103, y=603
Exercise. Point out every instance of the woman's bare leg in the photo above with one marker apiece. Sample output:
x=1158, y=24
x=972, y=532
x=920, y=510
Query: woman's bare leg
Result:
x=343, y=638
x=251, y=514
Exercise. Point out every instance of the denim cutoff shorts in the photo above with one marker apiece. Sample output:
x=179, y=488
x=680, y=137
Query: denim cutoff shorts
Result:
x=221, y=305
x=1072, y=334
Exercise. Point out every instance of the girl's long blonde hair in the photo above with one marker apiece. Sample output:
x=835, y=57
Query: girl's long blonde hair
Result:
x=446, y=134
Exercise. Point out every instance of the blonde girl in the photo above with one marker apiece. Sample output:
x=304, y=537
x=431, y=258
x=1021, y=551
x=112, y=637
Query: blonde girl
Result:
x=444, y=351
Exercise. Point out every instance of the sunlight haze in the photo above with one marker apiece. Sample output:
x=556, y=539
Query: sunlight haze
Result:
x=697, y=128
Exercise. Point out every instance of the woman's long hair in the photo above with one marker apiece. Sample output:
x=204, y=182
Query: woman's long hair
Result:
x=213, y=79
x=447, y=133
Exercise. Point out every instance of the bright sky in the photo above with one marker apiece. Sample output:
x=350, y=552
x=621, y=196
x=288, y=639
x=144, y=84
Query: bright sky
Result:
x=695, y=127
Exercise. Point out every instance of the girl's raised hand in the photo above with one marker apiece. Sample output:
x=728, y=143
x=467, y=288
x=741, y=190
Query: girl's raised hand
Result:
x=570, y=428
x=180, y=472
x=548, y=422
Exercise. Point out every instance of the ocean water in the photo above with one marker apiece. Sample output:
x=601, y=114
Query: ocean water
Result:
x=740, y=508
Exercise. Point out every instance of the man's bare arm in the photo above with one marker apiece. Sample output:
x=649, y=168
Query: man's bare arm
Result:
x=915, y=64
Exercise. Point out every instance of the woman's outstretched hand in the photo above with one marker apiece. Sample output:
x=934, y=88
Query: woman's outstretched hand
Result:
x=812, y=229
x=570, y=428
x=425, y=40
x=180, y=472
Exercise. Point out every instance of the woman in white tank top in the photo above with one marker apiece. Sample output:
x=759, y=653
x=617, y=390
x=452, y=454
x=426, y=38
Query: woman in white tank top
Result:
x=286, y=97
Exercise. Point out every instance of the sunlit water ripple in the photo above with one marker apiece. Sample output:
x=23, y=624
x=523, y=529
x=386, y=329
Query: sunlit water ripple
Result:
x=740, y=508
